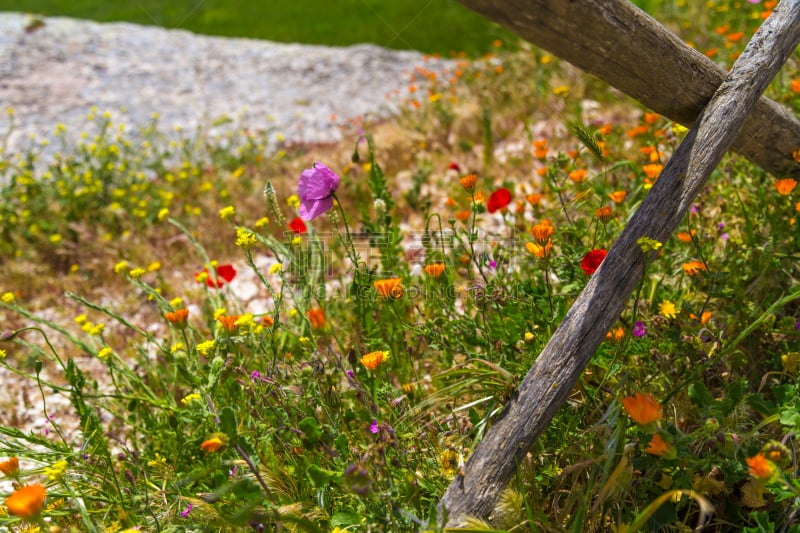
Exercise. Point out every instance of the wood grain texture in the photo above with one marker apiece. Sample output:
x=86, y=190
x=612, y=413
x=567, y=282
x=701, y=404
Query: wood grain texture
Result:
x=562, y=361
x=620, y=44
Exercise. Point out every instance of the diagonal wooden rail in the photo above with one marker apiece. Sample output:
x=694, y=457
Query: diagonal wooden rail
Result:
x=620, y=44
x=558, y=367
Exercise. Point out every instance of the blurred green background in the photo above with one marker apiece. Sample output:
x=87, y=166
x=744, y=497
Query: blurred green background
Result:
x=433, y=26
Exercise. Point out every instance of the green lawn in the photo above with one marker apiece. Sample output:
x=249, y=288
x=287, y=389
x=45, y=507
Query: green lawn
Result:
x=428, y=25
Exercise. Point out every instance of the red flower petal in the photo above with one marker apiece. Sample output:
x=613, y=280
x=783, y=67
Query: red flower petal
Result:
x=498, y=199
x=591, y=261
x=297, y=225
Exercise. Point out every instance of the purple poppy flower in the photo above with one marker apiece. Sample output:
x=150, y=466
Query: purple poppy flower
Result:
x=374, y=427
x=639, y=329
x=315, y=189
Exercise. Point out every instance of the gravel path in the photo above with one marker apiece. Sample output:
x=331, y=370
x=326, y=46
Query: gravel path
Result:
x=59, y=71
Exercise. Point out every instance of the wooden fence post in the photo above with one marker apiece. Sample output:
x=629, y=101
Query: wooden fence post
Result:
x=558, y=367
x=620, y=44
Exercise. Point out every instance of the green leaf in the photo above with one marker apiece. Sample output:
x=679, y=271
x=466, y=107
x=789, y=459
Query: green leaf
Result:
x=319, y=476
x=227, y=422
x=345, y=518
x=310, y=428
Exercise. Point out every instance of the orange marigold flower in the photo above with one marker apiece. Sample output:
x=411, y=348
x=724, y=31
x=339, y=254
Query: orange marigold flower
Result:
x=693, y=267
x=450, y=202
x=652, y=170
x=618, y=196
x=177, y=317
x=604, y=213
x=389, y=288
x=616, y=334
x=373, y=360
x=463, y=216
x=722, y=30
x=534, y=199
x=685, y=236
x=540, y=148
x=316, y=316
x=541, y=171
x=212, y=444
x=577, y=175
x=605, y=129
x=638, y=130
x=434, y=270
x=268, y=321
x=542, y=231
x=642, y=408
x=651, y=118
x=229, y=322
x=538, y=250
x=796, y=85
x=735, y=37
x=10, y=466
x=27, y=501
x=658, y=446
x=712, y=52
x=760, y=467
x=785, y=186
x=469, y=181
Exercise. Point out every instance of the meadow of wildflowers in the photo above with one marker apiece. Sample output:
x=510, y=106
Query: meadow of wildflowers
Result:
x=216, y=338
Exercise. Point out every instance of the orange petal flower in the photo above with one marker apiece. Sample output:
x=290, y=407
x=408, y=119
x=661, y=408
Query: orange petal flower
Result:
x=538, y=250
x=534, y=199
x=316, y=316
x=212, y=444
x=177, y=317
x=652, y=170
x=373, y=360
x=693, y=267
x=604, y=213
x=577, y=175
x=27, y=501
x=785, y=186
x=229, y=322
x=642, y=408
x=435, y=270
x=10, y=466
x=658, y=446
x=651, y=118
x=685, y=236
x=463, y=216
x=469, y=181
x=389, y=288
x=542, y=231
x=618, y=196
x=760, y=467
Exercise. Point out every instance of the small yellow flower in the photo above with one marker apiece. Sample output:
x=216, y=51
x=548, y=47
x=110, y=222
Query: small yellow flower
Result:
x=81, y=319
x=668, y=309
x=561, y=90
x=162, y=213
x=154, y=266
x=177, y=347
x=105, y=353
x=293, y=201
x=193, y=397
x=219, y=311
x=227, y=212
x=96, y=330
x=120, y=267
x=3, y=354
x=56, y=471
x=55, y=238
x=261, y=222
x=176, y=302
x=7, y=297
x=245, y=238
x=648, y=245
x=277, y=268
x=137, y=273
x=205, y=347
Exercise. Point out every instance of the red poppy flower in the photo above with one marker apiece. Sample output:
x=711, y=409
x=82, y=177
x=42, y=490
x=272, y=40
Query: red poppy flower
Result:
x=592, y=260
x=297, y=225
x=498, y=199
x=225, y=274
x=454, y=166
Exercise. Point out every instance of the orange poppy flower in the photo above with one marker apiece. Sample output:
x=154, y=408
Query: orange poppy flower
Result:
x=795, y=86
x=540, y=148
x=212, y=444
x=373, y=360
x=658, y=446
x=27, y=501
x=651, y=118
x=642, y=408
x=604, y=213
x=434, y=270
x=316, y=316
x=463, y=216
x=534, y=199
x=760, y=467
x=652, y=170
x=389, y=288
x=785, y=186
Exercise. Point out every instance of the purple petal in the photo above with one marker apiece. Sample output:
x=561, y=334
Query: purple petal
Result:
x=317, y=182
x=313, y=209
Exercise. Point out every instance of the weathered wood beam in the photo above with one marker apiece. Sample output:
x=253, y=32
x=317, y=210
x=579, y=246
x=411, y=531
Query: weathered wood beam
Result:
x=558, y=367
x=620, y=44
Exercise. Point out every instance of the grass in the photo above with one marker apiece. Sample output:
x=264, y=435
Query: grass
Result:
x=193, y=356
x=432, y=26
